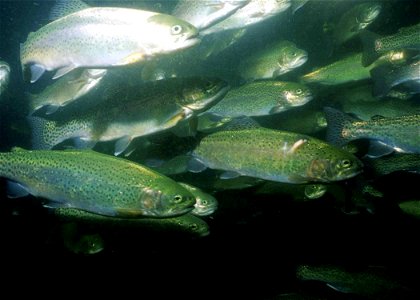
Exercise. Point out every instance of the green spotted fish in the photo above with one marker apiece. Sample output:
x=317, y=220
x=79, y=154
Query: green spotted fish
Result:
x=94, y=182
x=186, y=223
x=132, y=111
x=102, y=37
x=273, y=155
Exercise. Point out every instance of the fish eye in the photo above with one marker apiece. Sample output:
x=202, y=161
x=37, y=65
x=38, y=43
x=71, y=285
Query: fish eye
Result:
x=193, y=226
x=299, y=91
x=176, y=29
x=177, y=198
x=345, y=163
x=294, y=53
x=204, y=202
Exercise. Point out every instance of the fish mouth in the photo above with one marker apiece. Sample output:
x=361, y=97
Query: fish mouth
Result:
x=301, y=60
x=190, y=41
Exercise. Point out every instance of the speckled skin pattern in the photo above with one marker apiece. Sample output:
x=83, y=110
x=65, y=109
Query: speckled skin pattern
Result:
x=103, y=37
x=96, y=182
x=186, y=223
x=276, y=155
x=260, y=98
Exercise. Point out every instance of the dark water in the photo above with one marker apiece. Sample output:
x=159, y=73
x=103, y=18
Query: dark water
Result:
x=253, y=238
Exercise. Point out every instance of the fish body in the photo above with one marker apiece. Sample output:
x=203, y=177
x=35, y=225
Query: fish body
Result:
x=186, y=223
x=360, y=102
x=131, y=112
x=95, y=182
x=203, y=14
x=272, y=61
x=400, y=133
x=409, y=162
x=252, y=13
x=4, y=76
x=275, y=155
x=411, y=208
x=67, y=89
x=375, y=46
x=261, y=98
x=386, y=77
x=371, y=282
x=101, y=37
x=345, y=70
x=354, y=20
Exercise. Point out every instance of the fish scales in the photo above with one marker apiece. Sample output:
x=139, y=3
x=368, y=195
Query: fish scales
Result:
x=104, y=37
x=91, y=181
x=272, y=155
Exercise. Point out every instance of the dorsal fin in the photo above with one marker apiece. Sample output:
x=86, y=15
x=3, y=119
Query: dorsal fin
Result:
x=65, y=7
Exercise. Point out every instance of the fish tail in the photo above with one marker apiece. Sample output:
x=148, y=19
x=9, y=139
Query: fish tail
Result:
x=337, y=122
x=369, y=53
x=46, y=134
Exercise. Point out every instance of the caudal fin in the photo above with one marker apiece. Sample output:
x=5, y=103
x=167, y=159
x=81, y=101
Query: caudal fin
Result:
x=337, y=122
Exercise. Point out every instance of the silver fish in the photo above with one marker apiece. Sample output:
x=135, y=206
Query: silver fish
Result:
x=101, y=37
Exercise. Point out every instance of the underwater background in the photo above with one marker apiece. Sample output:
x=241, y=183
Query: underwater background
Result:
x=255, y=232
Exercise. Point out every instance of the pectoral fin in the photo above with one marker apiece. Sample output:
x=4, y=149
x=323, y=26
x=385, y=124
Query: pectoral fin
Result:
x=16, y=190
x=63, y=71
x=122, y=144
x=36, y=72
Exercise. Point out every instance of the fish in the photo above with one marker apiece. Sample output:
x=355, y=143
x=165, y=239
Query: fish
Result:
x=186, y=223
x=261, y=98
x=130, y=112
x=103, y=37
x=272, y=61
x=203, y=14
x=411, y=207
x=401, y=134
x=354, y=20
x=205, y=204
x=299, y=192
x=359, y=102
x=368, y=282
x=246, y=149
x=81, y=243
x=408, y=162
x=4, y=76
x=386, y=77
x=375, y=46
x=67, y=89
x=255, y=11
x=342, y=71
x=94, y=182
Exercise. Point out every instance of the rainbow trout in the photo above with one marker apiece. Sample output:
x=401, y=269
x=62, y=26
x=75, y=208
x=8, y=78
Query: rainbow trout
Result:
x=273, y=155
x=102, y=37
x=94, y=182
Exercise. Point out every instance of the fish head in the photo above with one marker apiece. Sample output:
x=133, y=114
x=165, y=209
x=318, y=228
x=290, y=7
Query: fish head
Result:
x=296, y=95
x=195, y=226
x=205, y=206
x=369, y=13
x=291, y=57
x=169, y=200
x=200, y=93
x=334, y=168
x=171, y=34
